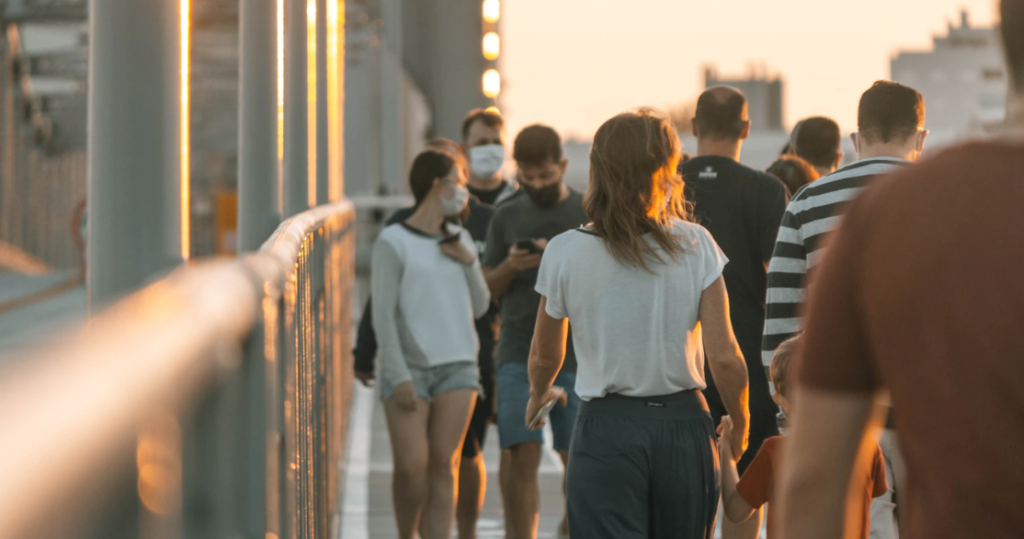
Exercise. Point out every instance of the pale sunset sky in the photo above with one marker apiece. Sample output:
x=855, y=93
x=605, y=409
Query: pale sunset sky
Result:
x=573, y=64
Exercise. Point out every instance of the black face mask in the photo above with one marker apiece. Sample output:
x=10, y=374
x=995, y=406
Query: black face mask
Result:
x=544, y=197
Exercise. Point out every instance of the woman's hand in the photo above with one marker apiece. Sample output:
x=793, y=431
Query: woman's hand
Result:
x=537, y=402
x=405, y=396
x=365, y=377
x=457, y=251
x=725, y=429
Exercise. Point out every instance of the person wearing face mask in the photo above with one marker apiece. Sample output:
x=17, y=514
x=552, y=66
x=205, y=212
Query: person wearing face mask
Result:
x=472, y=469
x=483, y=141
x=543, y=208
x=428, y=288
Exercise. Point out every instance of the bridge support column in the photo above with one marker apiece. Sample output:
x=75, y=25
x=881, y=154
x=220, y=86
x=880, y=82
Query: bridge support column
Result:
x=137, y=186
x=298, y=175
x=259, y=210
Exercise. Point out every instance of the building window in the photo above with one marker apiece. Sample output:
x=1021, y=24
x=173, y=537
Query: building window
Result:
x=992, y=74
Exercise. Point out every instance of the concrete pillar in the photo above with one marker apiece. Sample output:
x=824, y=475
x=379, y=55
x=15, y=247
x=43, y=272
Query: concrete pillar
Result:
x=323, y=104
x=137, y=192
x=257, y=124
x=296, y=170
x=392, y=149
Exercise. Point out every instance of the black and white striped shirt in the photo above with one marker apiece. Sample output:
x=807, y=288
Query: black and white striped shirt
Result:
x=813, y=213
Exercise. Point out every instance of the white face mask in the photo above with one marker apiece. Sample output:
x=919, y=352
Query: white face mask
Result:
x=454, y=205
x=485, y=161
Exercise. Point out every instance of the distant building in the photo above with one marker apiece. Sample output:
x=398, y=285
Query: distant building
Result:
x=962, y=79
x=764, y=96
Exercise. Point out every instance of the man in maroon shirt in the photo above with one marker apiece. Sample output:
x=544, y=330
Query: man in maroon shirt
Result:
x=922, y=294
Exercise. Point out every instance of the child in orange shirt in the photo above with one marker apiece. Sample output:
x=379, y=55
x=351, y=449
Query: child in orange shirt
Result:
x=742, y=496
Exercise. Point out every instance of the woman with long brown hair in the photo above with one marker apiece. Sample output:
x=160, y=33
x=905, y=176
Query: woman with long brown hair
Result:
x=643, y=289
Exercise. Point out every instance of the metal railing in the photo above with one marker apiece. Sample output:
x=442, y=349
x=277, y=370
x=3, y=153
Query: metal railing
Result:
x=212, y=403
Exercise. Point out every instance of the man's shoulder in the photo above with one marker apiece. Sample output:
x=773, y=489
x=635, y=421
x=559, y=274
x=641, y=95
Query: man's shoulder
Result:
x=514, y=197
x=853, y=176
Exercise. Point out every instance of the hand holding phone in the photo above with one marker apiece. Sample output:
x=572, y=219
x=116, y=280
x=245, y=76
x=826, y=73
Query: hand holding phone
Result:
x=529, y=246
x=554, y=396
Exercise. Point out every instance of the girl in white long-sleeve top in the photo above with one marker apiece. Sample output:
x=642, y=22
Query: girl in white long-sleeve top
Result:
x=428, y=288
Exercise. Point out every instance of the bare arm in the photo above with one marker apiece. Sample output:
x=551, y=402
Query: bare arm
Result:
x=736, y=508
x=831, y=430
x=499, y=278
x=546, y=357
x=726, y=360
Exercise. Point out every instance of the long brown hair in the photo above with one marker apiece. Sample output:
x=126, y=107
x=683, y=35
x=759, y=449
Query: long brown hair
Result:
x=635, y=187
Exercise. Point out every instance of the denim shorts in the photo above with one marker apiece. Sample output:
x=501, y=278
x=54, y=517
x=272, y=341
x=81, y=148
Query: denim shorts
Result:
x=431, y=381
x=514, y=395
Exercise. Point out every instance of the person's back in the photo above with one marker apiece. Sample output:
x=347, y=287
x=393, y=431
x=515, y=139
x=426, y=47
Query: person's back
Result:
x=920, y=293
x=742, y=209
x=942, y=290
x=644, y=295
x=649, y=322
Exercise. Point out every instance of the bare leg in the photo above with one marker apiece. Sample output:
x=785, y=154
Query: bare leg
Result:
x=449, y=419
x=563, y=528
x=409, y=446
x=748, y=529
x=505, y=482
x=524, y=489
x=472, y=491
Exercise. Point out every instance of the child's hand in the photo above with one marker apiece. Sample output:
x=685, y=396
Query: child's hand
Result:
x=725, y=442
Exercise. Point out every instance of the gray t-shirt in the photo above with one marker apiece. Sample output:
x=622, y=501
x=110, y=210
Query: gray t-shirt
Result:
x=638, y=331
x=520, y=219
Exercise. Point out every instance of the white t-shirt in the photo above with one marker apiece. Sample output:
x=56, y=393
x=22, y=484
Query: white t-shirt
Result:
x=636, y=332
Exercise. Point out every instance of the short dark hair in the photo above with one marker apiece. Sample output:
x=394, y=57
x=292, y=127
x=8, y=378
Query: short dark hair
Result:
x=537, y=145
x=720, y=113
x=793, y=171
x=1012, y=29
x=890, y=111
x=818, y=141
x=488, y=117
x=782, y=360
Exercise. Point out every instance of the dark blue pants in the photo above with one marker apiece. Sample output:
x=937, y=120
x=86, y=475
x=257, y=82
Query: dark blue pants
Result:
x=643, y=468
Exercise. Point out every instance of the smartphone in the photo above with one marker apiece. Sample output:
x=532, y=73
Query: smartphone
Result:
x=528, y=245
x=543, y=413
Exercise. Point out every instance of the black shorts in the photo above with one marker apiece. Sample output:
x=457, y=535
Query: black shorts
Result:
x=483, y=413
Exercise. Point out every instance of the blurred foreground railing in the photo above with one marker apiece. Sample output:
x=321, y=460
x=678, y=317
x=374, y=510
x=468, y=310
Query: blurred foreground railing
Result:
x=212, y=403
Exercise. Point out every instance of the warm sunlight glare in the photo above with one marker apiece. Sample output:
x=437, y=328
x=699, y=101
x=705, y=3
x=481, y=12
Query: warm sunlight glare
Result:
x=335, y=29
x=492, y=45
x=280, y=105
x=492, y=10
x=185, y=161
x=311, y=99
x=492, y=83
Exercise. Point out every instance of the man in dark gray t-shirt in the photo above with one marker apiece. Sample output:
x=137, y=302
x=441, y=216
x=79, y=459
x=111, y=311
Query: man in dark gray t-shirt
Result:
x=520, y=230
x=521, y=219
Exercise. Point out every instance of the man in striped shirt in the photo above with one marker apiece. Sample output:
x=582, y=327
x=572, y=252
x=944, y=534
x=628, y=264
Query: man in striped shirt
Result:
x=891, y=135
